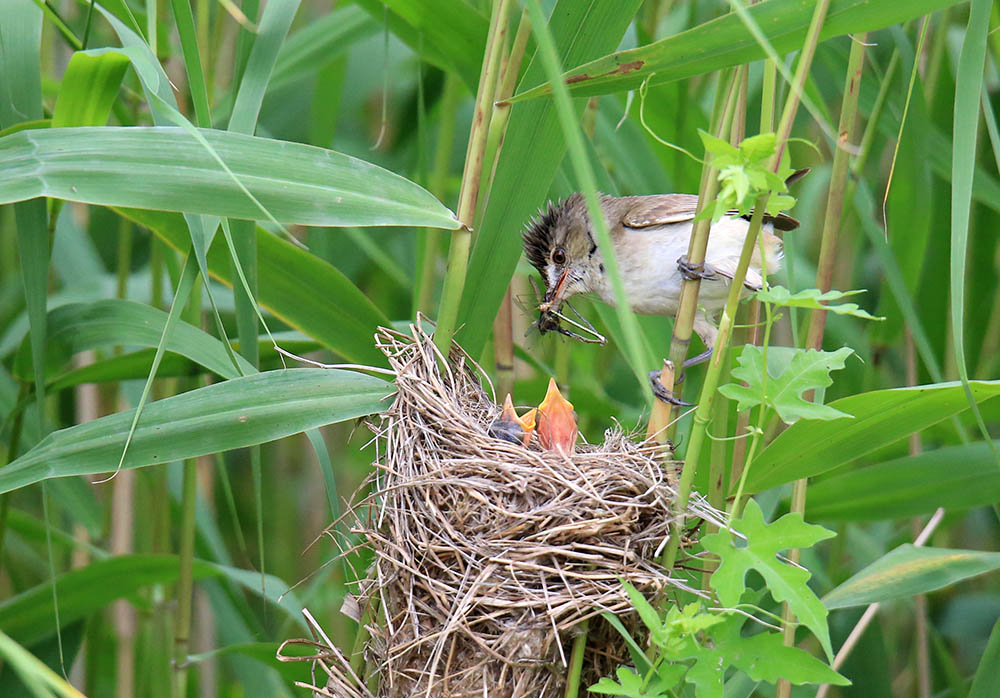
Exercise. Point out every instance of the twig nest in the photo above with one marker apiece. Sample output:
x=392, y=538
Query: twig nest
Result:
x=487, y=553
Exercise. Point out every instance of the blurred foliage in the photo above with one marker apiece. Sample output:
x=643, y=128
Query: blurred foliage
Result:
x=369, y=80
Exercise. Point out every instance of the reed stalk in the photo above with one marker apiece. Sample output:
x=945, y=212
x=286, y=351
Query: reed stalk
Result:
x=704, y=406
x=461, y=240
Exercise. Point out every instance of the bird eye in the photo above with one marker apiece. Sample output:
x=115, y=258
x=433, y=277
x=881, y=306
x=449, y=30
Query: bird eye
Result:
x=559, y=256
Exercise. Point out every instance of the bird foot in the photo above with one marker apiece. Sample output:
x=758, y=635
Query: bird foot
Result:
x=693, y=272
x=661, y=392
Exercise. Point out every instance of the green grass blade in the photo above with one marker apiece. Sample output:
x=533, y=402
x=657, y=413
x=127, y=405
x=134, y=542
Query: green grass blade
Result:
x=27, y=616
x=192, y=61
x=76, y=327
x=968, y=88
x=880, y=418
x=453, y=32
x=957, y=478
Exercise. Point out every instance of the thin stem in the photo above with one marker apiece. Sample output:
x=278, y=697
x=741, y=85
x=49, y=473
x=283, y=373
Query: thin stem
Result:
x=576, y=661
x=185, y=580
x=461, y=240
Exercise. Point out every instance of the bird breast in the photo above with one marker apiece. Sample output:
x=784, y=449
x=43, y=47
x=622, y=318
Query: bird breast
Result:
x=647, y=258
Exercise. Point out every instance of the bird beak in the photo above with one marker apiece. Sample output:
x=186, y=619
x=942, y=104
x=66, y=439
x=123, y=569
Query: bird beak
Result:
x=554, y=296
x=556, y=422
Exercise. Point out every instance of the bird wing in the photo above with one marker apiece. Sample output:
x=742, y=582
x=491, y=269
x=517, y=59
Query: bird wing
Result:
x=661, y=209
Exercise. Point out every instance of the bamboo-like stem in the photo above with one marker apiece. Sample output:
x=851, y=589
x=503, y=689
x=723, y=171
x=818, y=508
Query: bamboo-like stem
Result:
x=827, y=257
x=461, y=240
x=725, y=103
x=503, y=326
x=576, y=661
x=703, y=410
x=920, y=634
x=659, y=416
x=430, y=238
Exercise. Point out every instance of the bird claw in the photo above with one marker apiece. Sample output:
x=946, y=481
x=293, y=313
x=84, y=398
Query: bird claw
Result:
x=693, y=272
x=661, y=392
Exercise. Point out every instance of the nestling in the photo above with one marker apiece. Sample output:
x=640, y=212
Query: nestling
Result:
x=650, y=235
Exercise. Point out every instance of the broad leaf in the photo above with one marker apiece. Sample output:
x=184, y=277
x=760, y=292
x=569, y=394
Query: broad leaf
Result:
x=725, y=42
x=165, y=168
x=908, y=571
x=759, y=552
x=881, y=417
x=954, y=477
x=815, y=299
x=781, y=390
x=76, y=327
x=233, y=414
x=344, y=320
x=89, y=88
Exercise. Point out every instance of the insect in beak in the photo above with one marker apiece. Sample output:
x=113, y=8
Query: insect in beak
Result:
x=550, y=319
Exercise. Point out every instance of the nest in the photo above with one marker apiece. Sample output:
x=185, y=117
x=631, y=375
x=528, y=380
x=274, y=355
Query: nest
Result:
x=489, y=555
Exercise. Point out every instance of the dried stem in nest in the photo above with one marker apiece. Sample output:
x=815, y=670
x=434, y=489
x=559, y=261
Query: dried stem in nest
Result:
x=488, y=553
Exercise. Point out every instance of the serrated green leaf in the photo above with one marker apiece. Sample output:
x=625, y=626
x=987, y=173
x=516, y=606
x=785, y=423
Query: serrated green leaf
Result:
x=782, y=391
x=785, y=582
x=815, y=299
x=764, y=657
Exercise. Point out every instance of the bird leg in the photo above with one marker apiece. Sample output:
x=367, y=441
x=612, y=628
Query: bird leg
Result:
x=693, y=272
x=661, y=392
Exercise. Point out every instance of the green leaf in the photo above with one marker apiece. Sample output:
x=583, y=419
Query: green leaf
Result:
x=164, y=168
x=233, y=414
x=89, y=88
x=725, y=42
x=449, y=33
x=957, y=478
x=881, y=417
x=76, y=327
x=344, y=320
x=28, y=616
x=764, y=657
x=815, y=299
x=986, y=683
x=908, y=571
x=782, y=391
x=968, y=89
x=581, y=29
x=759, y=552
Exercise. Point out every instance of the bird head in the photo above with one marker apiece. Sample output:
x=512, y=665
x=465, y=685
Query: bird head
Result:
x=559, y=242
